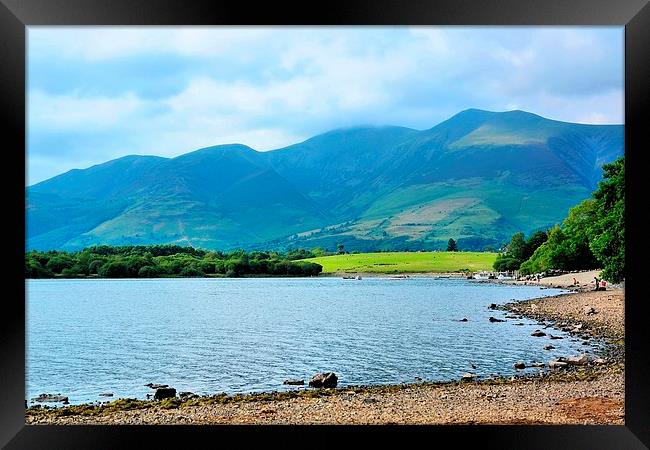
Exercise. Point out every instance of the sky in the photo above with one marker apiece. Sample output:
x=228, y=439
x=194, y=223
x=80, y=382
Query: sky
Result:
x=99, y=93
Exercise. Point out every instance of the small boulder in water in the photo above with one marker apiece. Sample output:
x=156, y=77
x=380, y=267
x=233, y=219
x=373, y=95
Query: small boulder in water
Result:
x=494, y=319
x=294, y=382
x=324, y=380
x=162, y=393
x=538, y=333
x=55, y=398
x=519, y=365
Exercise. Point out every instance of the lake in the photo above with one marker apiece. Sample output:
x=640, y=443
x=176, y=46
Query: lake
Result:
x=86, y=337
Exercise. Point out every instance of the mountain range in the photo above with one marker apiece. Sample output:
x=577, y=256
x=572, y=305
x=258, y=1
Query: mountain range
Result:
x=477, y=177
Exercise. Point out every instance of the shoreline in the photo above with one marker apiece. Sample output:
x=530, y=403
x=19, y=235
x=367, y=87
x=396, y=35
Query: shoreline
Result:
x=592, y=393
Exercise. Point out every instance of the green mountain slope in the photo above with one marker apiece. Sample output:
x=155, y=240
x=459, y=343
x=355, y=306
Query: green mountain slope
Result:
x=478, y=177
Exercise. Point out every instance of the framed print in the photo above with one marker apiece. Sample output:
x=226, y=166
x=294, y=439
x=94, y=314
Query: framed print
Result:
x=307, y=221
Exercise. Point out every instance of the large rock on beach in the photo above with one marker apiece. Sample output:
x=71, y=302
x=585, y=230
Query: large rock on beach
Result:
x=555, y=364
x=577, y=360
x=162, y=393
x=324, y=380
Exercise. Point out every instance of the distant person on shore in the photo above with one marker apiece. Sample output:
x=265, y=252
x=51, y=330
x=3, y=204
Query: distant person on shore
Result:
x=575, y=281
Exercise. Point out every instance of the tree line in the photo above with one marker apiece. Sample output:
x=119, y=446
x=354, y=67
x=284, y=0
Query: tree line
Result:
x=591, y=236
x=152, y=261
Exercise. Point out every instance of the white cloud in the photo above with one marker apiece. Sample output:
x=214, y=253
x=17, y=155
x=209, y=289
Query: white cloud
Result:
x=268, y=87
x=99, y=43
x=74, y=112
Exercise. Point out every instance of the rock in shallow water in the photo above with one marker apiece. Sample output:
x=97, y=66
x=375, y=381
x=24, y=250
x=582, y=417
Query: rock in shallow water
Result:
x=494, y=319
x=294, y=382
x=324, y=380
x=557, y=364
x=162, y=393
x=538, y=333
x=50, y=398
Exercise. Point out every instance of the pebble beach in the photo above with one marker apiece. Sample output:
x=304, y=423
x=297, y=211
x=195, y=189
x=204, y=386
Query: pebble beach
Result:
x=591, y=393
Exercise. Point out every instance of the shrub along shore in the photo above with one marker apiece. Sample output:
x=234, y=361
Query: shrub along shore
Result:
x=155, y=261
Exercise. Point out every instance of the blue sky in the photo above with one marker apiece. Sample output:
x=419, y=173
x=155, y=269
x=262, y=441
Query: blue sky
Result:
x=99, y=93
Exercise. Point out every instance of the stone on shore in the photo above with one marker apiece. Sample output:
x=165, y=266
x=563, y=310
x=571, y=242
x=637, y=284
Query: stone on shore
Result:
x=555, y=364
x=577, y=360
x=187, y=395
x=467, y=377
x=166, y=392
x=294, y=382
x=324, y=380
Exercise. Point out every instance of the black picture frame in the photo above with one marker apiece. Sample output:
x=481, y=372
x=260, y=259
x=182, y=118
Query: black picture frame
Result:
x=16, y=15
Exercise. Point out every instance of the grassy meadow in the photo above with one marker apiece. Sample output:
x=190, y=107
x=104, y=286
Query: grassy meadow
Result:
x=407, y=262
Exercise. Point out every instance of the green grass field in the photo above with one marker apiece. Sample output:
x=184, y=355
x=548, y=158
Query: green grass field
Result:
x=407, y=262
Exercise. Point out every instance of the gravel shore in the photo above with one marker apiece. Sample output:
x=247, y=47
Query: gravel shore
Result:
x=590, y=394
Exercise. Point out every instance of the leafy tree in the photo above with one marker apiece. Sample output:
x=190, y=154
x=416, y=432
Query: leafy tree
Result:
x=592, y=235
x=533, y=242
x=517, y=247
x=192, y=271
x=33, y=269
x=607, y=233
x=114, y=269
x=451, y=245
x=149, y=272
x=59, y=262
x=340, y=249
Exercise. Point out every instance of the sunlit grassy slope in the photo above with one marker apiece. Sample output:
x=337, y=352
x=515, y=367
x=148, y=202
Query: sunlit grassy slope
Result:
x=407, y=262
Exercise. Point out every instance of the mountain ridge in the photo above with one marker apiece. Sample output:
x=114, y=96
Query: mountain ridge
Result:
x=476, y=176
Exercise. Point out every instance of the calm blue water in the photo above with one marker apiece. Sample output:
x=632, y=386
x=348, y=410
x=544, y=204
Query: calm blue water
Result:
x=85, y=337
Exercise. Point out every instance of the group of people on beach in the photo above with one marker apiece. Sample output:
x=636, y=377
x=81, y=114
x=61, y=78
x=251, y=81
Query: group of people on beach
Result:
x=599, y=283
